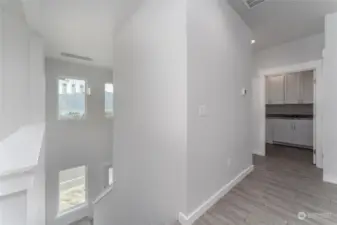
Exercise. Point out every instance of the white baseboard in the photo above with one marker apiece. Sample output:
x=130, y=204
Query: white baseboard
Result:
x=258, y=153
x=192, y=217
x=330, y=179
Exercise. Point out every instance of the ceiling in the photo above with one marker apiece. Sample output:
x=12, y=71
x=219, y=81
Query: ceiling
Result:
x=80, y=27
x=85, y=27
x=278, y=21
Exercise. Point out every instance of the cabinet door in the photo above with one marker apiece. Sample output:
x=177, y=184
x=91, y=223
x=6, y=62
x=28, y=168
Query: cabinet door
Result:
x=283, y=130
x=307, y=87
x=269, y=131
x=304, y=132
x=292, y=88
x=275, y=89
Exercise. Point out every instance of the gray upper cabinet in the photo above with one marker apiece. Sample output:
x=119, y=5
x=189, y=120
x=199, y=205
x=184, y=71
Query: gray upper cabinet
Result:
x=307, y=89
x=292, y=89
x=275, y=89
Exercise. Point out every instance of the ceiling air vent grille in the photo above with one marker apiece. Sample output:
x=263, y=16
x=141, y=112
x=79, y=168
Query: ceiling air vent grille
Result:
x=69, y=55
x=252, y=3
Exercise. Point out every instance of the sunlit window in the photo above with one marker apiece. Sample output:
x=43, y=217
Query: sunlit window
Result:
x=109, y=90
x=72, y=188
x=71, y=98
x=108, y=175
x=111, y=174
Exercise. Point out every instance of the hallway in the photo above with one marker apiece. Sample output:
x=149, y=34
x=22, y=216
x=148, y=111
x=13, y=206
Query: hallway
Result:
x=281, y=186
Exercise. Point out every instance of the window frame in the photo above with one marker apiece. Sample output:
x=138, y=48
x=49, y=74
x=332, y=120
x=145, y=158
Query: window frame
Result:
x=86, y=87
x=105, y=112
x=106, y=174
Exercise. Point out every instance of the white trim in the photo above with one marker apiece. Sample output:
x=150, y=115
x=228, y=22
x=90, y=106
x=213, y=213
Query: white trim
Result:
x=318, y=118
x=71, y=210
x=18, y=171
x=197, y=213
x=330, y=179
x=72, y=180
x=312, y=65
x=104, y=193
x=259, y=153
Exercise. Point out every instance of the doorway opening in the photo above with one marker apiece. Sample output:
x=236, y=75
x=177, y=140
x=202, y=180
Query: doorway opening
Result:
x=289, y=115
x=292, y=115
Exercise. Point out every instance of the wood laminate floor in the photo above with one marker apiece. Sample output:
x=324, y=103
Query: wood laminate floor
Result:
x=283, y=184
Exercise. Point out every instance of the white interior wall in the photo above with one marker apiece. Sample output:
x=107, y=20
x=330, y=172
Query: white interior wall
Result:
x=290, y=53
x=22, y=109
x=154, y=66
x=37, y=93
x=15, y=61
x=11, y=207
x=297, y=52
x=219, y=67
x=36, y=197
x=22, y=85
x=150, y=110
x=75, y=143
x=330, y=98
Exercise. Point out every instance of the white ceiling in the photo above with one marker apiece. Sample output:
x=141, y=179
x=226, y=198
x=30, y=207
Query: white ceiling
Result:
x=85, y=27
x=80, y=27
x=277, y=21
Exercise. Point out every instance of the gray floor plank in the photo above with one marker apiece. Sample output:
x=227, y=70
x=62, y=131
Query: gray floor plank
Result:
x=283, y=184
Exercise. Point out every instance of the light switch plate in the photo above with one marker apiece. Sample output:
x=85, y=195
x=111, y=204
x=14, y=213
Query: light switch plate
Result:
x=202, y=110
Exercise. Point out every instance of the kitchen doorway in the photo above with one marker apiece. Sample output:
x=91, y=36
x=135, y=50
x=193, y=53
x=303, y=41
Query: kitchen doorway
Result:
x=292, y=114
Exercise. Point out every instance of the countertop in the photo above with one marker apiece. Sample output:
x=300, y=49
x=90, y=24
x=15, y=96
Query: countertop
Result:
x=289, y=116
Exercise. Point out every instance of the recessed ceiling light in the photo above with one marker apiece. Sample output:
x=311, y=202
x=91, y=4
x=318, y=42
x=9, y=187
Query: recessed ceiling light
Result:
x=253, y=41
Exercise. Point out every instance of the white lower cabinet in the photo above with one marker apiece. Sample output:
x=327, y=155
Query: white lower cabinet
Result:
x=283, y=129
x=304, y=132
x=270, y=131
x=291, y=131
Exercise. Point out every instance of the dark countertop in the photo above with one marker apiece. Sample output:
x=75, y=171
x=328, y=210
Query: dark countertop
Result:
x=288, y=116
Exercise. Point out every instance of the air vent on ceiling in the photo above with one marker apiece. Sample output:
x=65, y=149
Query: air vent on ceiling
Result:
x=252, y=3
x=69, y=55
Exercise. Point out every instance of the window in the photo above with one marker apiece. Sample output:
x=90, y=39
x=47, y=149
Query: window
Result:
x=82, y=90
x=109, y=90
x=64, y=88
x=71, y=99
x=108, y=175
x=111, y=179
x=72, y=188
